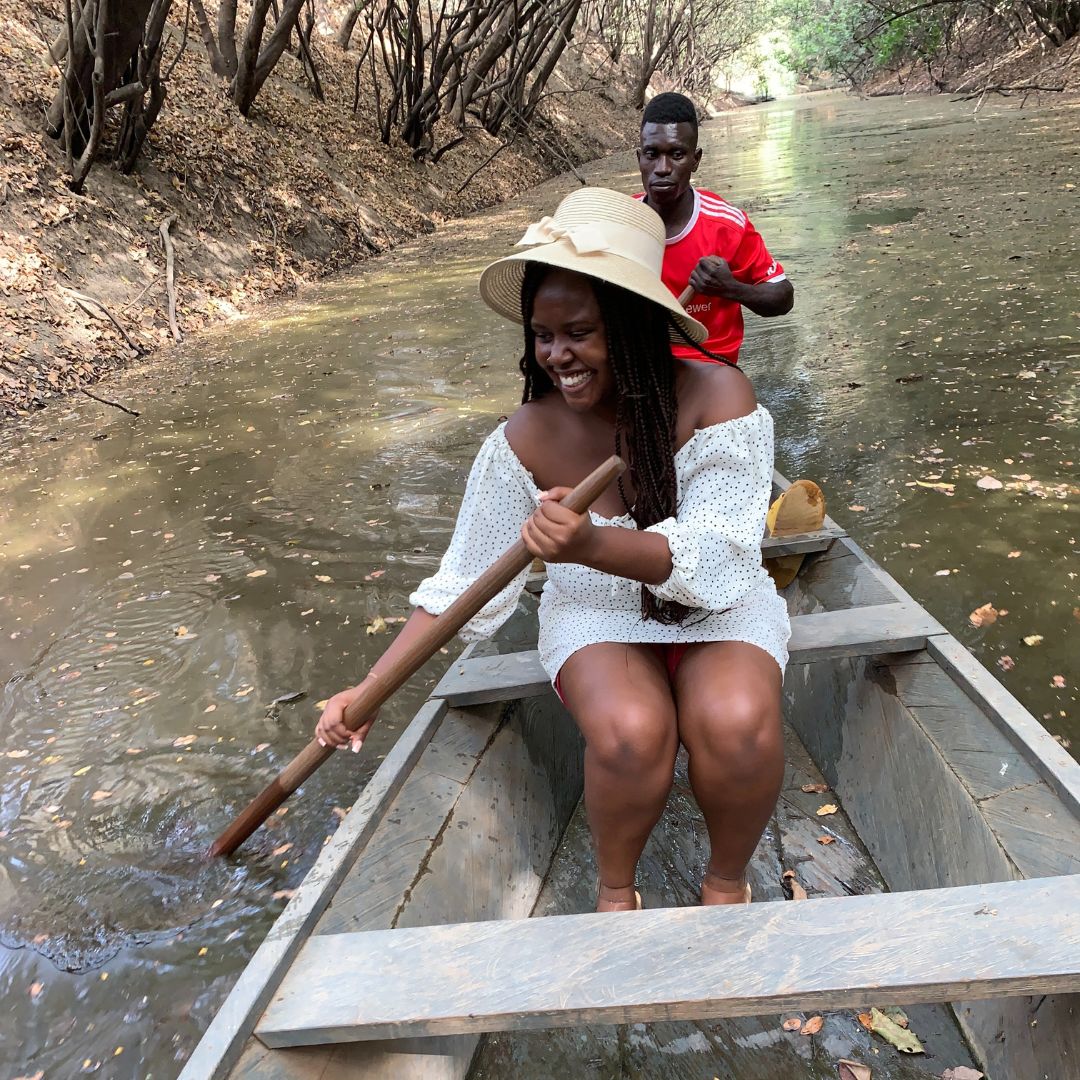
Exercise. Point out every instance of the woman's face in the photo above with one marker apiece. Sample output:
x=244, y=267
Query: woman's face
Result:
x=571, y=342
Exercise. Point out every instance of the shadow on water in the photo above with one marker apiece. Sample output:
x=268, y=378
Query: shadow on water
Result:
x=168, y=586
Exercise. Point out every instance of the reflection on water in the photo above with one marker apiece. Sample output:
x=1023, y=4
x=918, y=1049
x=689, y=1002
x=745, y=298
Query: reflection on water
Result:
x=170, y=585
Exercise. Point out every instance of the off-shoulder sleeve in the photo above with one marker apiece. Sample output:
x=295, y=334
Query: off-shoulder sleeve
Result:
x=724, y=480
x=498, y=499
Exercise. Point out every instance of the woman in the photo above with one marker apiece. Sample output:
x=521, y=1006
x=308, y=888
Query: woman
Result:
x=658, y=625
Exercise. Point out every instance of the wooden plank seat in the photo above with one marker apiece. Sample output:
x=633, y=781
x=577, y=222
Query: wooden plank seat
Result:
x=967, y=943
x=866, y=631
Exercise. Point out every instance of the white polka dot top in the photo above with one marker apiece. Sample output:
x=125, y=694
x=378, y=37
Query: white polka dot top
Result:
x=724, y=476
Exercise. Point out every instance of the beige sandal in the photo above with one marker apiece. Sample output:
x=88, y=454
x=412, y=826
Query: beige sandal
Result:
x=626, y=903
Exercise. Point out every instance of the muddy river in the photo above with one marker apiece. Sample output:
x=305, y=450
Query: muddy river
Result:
x=177, y=591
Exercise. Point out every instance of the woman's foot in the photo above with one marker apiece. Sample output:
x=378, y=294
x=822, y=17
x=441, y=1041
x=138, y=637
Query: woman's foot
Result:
x=624, y=898
x=721, y=890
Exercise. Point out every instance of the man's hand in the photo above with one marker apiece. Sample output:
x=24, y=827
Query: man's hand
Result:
x=713, y=277
x=556, y=534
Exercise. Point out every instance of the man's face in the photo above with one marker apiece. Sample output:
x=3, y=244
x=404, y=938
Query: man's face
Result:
x=668, y=156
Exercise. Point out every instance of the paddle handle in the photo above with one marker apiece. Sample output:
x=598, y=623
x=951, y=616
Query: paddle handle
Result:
x=375, y=692
x=684, y=296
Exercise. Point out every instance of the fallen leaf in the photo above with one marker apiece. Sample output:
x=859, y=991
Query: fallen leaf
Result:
x=244, y=691
x=1033, y=640
x=989, y=483
x=83, y=771
x=792, y=884
x=185, y=740
x=261, y=747
x=867, y=1021
x=1058, y=681
x=374, y=575
x=904, y=1041
x=211, y=578
x=792, y=1024
x=182, y=631
x=962, y=1072
x=1006, y=663
x=320, y=705
x=101, y=794
x=812, y=1026
x=284, y=894
x=828, y=808
x=853, y=1070
x=35, y=990
x=377, y=625
x=281, y=850
x=984, y=616
x=323, y=577
x=257, y=573
x=948, y=489
x=826, y=839
x=815, y=789
x=1015, y=554
x=17, y=753
x=39, y=1075
x=210, y=708
x=857, y=509
x=897, y=1015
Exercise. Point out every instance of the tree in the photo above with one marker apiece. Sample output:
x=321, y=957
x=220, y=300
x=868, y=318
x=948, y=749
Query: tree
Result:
x=247, y=62
x=111, y=51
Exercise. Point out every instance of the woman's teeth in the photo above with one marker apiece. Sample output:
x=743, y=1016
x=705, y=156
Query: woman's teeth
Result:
x=579, y=378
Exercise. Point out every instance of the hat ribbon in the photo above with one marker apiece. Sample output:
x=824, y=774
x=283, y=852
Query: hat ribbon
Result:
x=584, y=239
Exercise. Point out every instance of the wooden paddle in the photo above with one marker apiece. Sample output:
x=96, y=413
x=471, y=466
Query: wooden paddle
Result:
x=434, y=637
x=684, y=296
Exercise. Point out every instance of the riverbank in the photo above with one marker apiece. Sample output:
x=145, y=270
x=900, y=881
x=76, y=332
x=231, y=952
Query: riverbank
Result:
x=259, y=207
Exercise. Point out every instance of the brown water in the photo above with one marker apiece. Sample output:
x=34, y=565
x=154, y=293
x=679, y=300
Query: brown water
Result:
x=163, y=580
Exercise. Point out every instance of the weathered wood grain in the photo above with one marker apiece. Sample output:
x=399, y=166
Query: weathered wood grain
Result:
x=884, y=628
x=974, y=942
x=1051, y=760
x=223, y=1041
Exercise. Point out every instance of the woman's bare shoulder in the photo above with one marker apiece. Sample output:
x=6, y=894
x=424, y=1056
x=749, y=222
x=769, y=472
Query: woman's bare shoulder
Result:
x=713, y=393
x=530, y=428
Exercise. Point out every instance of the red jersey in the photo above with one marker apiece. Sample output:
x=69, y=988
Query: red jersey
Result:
x=717, y=228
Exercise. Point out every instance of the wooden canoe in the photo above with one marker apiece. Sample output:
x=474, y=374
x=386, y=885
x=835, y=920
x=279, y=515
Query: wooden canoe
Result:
x=953, y=876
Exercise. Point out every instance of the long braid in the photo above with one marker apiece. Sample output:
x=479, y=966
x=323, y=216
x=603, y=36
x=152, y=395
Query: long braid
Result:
x=639, y=350
x=688, y=340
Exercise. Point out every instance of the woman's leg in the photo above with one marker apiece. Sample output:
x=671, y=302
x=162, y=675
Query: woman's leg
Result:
x=728, y=699
x=620, y=697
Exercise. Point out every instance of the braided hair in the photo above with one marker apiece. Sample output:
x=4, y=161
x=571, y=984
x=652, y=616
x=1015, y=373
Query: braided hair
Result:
x=639, y=351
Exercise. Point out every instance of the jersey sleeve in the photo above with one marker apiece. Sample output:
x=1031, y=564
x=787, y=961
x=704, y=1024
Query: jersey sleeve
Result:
x=752, y=264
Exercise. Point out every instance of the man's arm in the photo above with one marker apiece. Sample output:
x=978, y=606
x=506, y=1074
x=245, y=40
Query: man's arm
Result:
x=713, y=277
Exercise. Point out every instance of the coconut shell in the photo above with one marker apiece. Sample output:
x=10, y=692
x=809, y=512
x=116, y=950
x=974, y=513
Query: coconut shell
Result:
x=800, y=509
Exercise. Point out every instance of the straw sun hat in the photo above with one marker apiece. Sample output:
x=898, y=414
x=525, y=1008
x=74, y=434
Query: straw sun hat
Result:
x=602, y=234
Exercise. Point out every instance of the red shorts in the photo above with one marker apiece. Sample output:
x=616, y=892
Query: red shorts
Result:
x=671, y=655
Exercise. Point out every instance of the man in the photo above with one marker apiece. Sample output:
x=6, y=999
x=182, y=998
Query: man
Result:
x=711, y=245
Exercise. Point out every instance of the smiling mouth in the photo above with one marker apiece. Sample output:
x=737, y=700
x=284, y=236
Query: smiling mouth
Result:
x=574, y=380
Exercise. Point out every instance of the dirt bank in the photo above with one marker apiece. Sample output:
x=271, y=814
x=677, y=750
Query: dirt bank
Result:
x=260, y=206
x=986, y=57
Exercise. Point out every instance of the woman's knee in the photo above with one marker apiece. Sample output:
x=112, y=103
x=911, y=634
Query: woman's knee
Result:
x=631, y=740
x=740, y=731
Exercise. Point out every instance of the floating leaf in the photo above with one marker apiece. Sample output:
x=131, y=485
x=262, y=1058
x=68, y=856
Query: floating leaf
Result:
x=35, y=990
x=904, y=1041
x=984, y=616
x=257, y=573
x=377, y=625
x=284, y=894
x=1006, y=663
x=210, y=708
x=989, y=483
x=323, y=577
x=815, y=789
x=1058, y=681
x=83, y=771
x=185, y=740
x=1015, y=554
x=17, y=753
x=100, y=794
x=244, y=691
x=855, y=508
x=261, y=747
x=1033, y=640
x=828, y=808
x=946, y=488
x=812, y=1026
x=281, y=850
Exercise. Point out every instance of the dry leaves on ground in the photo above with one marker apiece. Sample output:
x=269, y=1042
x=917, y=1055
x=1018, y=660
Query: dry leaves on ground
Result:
x=814, y=1024
x=793, y=1023
x=962, y=1072
x=853, y=1070
x=815, y=789
x=990, y=483
x=905, y=1041
x=828, y=808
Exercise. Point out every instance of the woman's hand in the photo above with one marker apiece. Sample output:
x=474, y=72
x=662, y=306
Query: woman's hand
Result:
x=331, y=729
x=554, y=533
